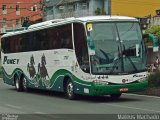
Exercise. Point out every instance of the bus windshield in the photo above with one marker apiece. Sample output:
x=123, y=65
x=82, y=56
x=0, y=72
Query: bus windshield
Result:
x=118, y=46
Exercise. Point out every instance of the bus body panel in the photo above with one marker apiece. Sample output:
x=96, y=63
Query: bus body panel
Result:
x=83, y=83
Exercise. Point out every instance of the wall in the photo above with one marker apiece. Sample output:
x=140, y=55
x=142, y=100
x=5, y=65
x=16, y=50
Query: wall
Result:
x=13, y=19
x=90, y=11
x=136, y=8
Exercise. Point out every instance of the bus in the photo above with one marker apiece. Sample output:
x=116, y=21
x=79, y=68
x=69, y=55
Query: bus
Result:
x=93, y=55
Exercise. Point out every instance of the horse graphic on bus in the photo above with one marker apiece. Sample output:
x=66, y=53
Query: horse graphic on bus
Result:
x=42, y=73
x=42, y=70
x=31, y=68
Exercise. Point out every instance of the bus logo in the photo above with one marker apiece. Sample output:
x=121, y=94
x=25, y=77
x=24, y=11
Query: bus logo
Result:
x=10, y=61
x=124, y=80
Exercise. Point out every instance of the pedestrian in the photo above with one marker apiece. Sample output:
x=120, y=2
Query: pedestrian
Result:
x=157, y=63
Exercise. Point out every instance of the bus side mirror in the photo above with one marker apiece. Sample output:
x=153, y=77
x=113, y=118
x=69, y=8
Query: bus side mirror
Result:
x=91, y=46
x=90, y=43
x=154, y=41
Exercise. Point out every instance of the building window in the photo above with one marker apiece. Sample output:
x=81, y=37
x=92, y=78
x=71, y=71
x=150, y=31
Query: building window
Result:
x=4, y=22
x=18, y=23
x=17, y=10
x=75, y=6
x=84, y=5
x=49, y=11
x=4, y=19
x=4, y=9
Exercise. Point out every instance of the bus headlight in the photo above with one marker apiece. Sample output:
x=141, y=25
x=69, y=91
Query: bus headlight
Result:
x=142, y=79
x=100, y=82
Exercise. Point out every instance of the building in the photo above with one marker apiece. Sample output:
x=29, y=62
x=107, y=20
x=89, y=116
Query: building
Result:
x=155, y=20
x=147, y=11
x=16, y=13
x=56, y=9
x=135, y=8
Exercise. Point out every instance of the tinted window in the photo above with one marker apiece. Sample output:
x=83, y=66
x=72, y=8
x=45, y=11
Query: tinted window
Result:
x=60, y=37
x=81, y=47
x=52, y=38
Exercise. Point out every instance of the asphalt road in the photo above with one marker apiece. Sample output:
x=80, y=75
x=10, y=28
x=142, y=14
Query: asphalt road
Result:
x=55, y=105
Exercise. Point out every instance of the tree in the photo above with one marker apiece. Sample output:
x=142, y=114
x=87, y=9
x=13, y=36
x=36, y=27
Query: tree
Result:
x=100, y=11
x=154, y=30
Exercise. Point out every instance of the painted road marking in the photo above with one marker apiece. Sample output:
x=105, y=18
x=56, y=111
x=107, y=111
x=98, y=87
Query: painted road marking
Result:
x=141, y=95
x=40, y=113
x=13, y=106
x=136, y=108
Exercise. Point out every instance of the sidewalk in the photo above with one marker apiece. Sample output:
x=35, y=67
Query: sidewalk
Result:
x=154, y=91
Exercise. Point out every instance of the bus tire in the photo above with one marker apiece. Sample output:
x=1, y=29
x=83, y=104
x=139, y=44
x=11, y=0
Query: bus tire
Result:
x=69, y=90
x=24, y=83
x=115, y=96
x=18, y=84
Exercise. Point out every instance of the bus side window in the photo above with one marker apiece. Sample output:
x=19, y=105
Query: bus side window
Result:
x=42, y=39
x=6, y=45
x=81, y=48
x=13, y=46
x=34, y=41
x=50, y=39
x=66, y=36
x=2, y=45
x=53, y=38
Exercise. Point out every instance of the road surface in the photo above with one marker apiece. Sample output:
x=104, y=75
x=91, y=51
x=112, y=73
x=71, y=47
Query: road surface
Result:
x=45, y=103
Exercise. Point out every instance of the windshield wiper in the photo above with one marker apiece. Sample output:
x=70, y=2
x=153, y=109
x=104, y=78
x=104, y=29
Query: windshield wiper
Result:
x=129, y=58
x=117, y=61
x=115, y=65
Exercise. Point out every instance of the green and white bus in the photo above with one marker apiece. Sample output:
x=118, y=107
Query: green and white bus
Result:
x=96, y=55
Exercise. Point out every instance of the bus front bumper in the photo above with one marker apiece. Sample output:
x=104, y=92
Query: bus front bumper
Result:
x=96, y=90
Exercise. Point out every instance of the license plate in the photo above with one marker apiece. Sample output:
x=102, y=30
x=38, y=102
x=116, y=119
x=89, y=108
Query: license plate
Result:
x=123, y=89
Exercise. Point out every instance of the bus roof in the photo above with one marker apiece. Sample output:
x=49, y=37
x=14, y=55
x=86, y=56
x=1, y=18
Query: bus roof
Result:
x=108, y=18
x=54, y=22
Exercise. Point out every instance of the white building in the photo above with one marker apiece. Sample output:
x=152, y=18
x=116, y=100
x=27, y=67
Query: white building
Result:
x=56, y=9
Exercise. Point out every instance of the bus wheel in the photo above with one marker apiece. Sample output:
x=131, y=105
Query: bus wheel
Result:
x=18, y=84
x=115, y=96
x=69, y=91
x=24, y=84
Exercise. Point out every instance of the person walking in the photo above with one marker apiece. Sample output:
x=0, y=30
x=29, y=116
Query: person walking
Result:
x=157, y=63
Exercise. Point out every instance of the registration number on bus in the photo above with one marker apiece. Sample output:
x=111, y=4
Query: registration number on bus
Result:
x=123, y=89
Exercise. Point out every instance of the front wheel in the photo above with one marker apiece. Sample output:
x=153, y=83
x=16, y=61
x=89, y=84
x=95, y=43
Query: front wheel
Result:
x=115, y=96
x=69, y=90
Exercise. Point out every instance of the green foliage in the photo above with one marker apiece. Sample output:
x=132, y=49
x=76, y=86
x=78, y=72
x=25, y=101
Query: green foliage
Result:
x=154, y=30
x=154, y=80
x=100, y=11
